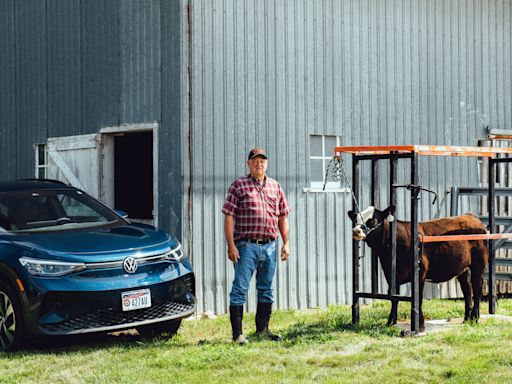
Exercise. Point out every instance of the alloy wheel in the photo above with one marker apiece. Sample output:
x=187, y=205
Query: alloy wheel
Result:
x=7, y=321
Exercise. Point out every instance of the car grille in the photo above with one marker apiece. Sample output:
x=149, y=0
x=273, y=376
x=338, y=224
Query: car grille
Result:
x=74, y=303
x=109, y=319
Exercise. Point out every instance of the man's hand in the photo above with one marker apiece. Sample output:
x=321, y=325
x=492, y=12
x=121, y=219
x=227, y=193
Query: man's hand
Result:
x=229, y=230
x=233, y=253
x=285, y=251
x=284, y=229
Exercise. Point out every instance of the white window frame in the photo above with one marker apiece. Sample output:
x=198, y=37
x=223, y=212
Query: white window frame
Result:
x=40, y=169
x=327, y=155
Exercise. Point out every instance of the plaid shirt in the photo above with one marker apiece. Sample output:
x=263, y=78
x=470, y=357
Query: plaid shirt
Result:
x=256, y=207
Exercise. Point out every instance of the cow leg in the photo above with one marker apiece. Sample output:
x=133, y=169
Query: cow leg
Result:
x=393, y=315
x=476, y=282
x=466, y=291
x=421, y=318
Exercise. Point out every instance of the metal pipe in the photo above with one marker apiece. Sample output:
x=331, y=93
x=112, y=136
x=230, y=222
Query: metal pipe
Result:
x=415, y=286
x=492, y=228
x=355, y=244
x=375, y=203
x=393, y=289
x=454, y=201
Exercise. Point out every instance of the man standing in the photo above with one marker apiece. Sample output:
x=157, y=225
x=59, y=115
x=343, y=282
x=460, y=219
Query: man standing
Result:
x=255, y=210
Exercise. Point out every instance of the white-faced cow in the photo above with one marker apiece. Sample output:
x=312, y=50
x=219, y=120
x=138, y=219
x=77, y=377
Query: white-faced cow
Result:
x=439, y=262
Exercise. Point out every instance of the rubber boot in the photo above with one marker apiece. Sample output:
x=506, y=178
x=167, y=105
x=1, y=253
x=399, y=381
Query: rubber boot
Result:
x=262, y=319
x=236, y=314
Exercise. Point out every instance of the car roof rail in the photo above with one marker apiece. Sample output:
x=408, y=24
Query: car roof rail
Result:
x=45, y=181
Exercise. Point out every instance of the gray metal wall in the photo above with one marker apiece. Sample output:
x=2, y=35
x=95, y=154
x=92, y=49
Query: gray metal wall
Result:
x=70, y=67
x=271, y=73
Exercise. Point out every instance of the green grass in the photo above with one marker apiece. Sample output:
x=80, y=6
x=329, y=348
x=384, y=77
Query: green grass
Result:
x=319, y=346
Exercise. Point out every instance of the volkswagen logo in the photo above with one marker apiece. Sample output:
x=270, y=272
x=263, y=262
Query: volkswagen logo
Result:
x=130, y=264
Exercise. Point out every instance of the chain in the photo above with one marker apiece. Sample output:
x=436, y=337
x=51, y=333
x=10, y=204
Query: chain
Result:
x=336, y=171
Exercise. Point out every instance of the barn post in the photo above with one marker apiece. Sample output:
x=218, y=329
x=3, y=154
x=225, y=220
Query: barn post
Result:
x=375, y=203
x=492, y=229
x=415, y=291
x=355, y=244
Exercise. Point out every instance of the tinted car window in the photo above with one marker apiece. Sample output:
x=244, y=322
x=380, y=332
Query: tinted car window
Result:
x=51, y=210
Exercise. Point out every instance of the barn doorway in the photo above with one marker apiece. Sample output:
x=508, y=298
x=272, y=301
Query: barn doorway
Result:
x=130, y=164
x=133, y=174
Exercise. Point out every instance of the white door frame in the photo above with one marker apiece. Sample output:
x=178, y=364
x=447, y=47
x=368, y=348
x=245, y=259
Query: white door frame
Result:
x=107, y=181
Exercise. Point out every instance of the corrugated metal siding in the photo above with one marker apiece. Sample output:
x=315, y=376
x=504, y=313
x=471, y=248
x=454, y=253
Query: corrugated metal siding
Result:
x=140, y=60
x=64, y=68
x=170, y=186
x=100, y=68
x=7, y=91
x=271, y=73
x=30, y=80
x=70, y=67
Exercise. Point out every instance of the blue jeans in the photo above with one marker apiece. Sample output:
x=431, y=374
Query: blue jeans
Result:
x=254, y=257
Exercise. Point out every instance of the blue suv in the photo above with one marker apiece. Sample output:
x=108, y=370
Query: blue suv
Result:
x=70, y=265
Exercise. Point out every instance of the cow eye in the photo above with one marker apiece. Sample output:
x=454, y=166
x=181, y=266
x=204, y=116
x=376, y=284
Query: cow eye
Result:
x=371, y=223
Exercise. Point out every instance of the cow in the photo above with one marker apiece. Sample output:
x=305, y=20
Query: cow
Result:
x=439, y=262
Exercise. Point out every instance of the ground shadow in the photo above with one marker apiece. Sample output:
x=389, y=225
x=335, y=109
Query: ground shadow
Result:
x=79, y=343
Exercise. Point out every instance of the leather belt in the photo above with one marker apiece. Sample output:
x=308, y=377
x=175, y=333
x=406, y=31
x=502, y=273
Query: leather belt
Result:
x=258, y=241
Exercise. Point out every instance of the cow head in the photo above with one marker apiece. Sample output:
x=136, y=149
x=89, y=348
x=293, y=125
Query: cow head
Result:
x=369, y=220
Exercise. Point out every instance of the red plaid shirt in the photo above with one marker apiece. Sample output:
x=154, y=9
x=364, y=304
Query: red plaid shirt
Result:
x=256, y=207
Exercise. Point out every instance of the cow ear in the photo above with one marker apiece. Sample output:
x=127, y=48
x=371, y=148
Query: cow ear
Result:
x=390, y=211
x=352, y=215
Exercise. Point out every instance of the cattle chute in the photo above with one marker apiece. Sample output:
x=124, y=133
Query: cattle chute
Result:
x=412, y=153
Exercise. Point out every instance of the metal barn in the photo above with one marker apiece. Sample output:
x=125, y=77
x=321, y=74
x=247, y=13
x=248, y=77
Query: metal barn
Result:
x=165, y=98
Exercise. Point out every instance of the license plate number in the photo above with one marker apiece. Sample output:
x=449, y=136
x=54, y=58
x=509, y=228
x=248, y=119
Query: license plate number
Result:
x=136, y=299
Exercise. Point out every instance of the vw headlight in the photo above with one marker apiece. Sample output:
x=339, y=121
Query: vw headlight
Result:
x=40, y=267
x=175, y=254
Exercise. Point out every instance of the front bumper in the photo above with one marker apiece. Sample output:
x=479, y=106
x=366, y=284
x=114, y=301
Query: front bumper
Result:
x=90, y=301
x=67, y=313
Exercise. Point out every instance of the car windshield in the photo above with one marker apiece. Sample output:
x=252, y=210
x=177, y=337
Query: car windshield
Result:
x=51, y=210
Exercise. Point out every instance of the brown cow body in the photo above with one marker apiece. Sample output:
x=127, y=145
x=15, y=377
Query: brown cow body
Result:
x=439, y=262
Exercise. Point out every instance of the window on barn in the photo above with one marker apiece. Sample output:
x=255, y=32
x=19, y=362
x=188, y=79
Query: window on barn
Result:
x=321, y=151
x=41, y=156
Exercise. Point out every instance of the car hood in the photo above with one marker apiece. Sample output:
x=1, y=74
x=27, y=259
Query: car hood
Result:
x=96, y=245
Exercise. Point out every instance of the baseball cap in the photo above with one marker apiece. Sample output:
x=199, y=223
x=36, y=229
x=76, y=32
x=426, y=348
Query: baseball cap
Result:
x=255, y=152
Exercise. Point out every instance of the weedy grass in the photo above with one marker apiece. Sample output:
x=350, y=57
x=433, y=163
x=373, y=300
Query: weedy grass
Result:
x=319, y=346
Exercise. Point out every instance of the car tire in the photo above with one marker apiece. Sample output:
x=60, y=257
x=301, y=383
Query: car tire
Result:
x=170, y=327
x=11, y=322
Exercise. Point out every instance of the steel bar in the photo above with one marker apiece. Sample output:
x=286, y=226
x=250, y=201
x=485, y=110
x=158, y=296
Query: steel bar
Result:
x=375, y=203
x=492, y=228
x=415, y=286
x=355, y=244
x=393, y=176
x=488, y=236
x=383, y=297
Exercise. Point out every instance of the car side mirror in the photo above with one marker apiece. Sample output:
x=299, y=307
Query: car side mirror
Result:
x=121, y=213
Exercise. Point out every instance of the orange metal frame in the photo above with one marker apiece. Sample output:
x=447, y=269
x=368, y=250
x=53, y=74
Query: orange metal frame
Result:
x=435, y=150
x=488, y=236
x=424, y=150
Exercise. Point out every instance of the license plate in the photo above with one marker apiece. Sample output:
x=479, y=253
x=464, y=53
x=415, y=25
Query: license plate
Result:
x=136, y=299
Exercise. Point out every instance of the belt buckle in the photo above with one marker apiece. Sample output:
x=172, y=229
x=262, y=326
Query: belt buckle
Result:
x=260, y=241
